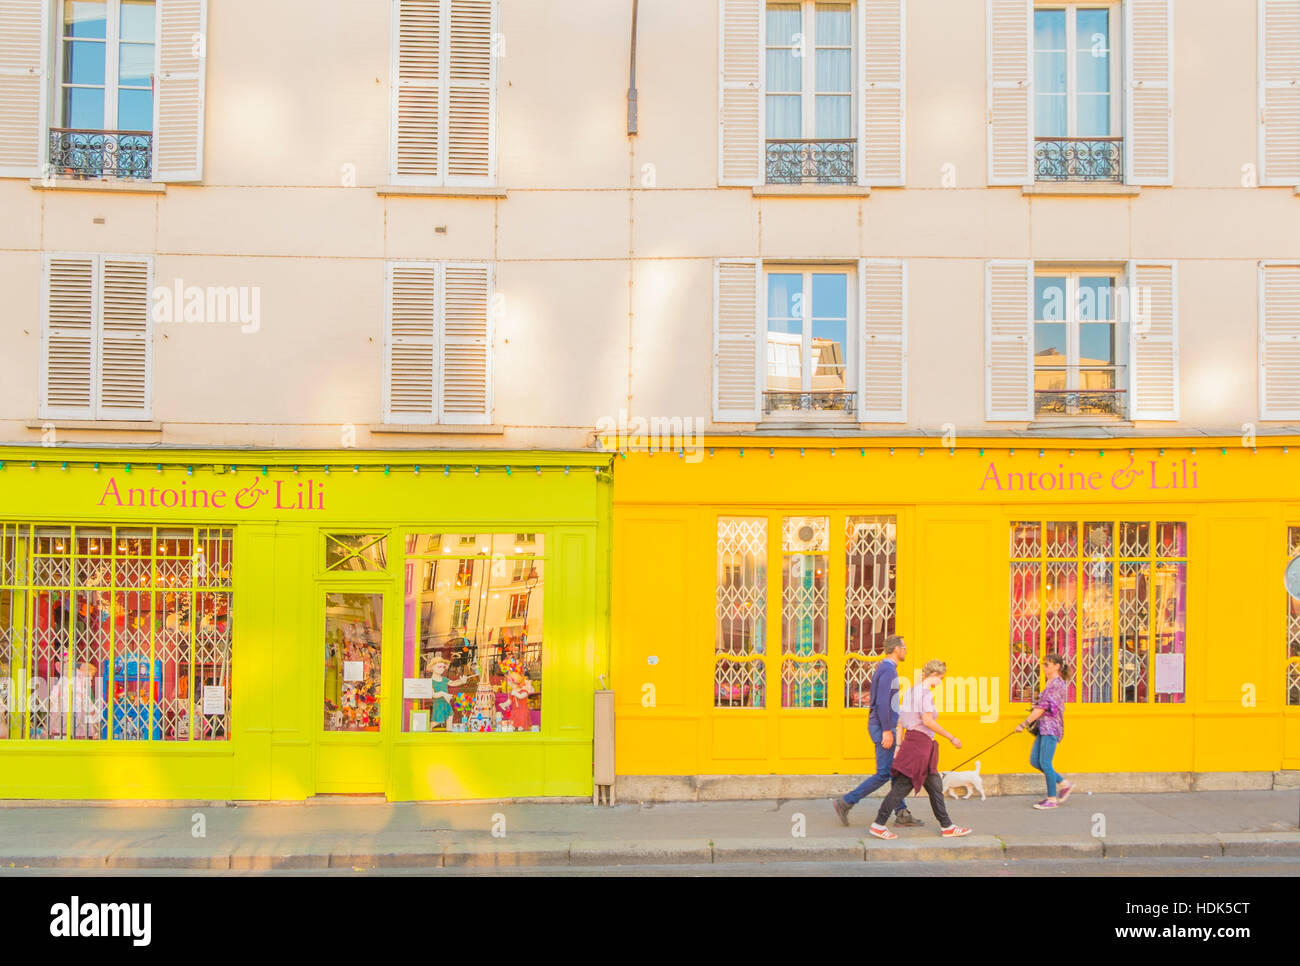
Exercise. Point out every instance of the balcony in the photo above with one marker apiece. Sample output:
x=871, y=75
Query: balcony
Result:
x=1081, y=160
x=809, y=402
x=812, y=162
x=100, y=154
x=1098, y=395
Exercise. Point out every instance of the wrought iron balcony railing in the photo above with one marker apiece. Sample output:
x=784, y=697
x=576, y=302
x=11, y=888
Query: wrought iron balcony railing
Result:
x=1079, y=159
x=809, y=402
x=1098, y=401
x=100, y=154
x=812, y=162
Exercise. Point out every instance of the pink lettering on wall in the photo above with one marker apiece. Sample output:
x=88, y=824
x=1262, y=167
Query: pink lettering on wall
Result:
x=307, y=495
x=1148, y=475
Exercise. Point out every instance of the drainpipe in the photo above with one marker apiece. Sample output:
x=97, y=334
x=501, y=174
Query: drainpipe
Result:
x=631, y=86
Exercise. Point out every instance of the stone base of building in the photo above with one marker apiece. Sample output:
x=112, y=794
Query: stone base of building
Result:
x=716, y=788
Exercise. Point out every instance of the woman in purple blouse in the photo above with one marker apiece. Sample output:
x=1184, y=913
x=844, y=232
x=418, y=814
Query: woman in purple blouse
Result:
x=1049, y=712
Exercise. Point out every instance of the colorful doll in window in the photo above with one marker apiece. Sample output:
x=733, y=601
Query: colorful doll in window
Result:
x=519, y=688
x=442, y=685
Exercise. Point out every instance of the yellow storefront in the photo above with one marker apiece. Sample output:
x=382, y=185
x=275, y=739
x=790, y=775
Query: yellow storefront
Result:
x=756, y=580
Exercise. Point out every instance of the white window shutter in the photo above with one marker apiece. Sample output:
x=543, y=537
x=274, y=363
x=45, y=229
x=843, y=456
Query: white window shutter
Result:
x=471, y=93
x=125, y=384
x=68, y=301
x=1010, y=91
x=419, y=103
x=1153, y=340
x=179, y=90
x=24, y=55
x=1149, y=86
x=1279, y=341
x=740, y=93
x=737, y=366
x=1279, y=92
x=465, y=376
x=1009, y=342
x=411, y=343
x=882, y=149
x=882, y=309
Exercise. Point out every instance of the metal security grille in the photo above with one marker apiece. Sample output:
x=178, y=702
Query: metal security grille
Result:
x=739, y=676
x=1293, y=629
x=115, y=633
x=870, y=601
x=1111, y=597
x=804, y=607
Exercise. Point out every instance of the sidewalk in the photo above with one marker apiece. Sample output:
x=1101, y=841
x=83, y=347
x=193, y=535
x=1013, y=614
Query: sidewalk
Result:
x=343, y=833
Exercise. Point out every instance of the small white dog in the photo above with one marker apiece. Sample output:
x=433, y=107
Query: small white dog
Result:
x=969, y=780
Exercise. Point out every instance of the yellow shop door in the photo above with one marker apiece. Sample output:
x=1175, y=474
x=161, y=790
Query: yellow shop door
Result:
x=352, y=748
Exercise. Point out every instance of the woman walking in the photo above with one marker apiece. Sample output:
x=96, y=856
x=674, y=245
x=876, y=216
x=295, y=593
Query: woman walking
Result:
x=1049, y=712
x=917, y=759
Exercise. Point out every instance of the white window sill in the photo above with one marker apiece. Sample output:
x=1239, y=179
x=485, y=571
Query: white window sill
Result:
x=431, y=191
x=437, y=429
x=811, y=191
x=1092, y=189
x=107, y=425
x=99, y=184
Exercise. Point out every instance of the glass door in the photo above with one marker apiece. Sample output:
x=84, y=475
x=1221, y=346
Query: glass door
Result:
x=351, y=753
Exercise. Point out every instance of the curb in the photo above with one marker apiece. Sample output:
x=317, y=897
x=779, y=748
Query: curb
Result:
x=1159, y=846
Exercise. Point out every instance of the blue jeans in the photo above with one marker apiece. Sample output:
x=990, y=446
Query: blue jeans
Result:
x=882, y=777
x=1041, y=758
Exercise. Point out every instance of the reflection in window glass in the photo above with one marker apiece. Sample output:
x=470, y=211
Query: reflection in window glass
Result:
x=354, y=627
x=870, y=601
x=353, y=551
x=472, y=650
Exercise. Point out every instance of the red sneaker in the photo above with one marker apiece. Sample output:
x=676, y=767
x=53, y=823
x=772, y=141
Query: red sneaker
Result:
x=954, y=831
x=880, y=832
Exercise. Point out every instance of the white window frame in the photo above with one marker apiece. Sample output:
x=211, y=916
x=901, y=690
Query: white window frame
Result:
x=808, y=83
x=1071, y=77
x=112, y=41
x=808, y=270
x=1073, y=275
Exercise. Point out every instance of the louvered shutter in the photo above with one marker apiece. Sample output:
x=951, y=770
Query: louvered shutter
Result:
x=1279, y=341
x=737, y=370
x=126, y=350
x=24, y=27
x=882, y=148
x=1010, y=91
x=1150, y=91
x=1279, y=92
x=69, y=304
x=471, y=109
x=466, y=372
x=410, y=367
x=740, y=94
x=178, y=102
x=1008, y=349
x=418, y=91
x=1153, y=340
x=882, y=300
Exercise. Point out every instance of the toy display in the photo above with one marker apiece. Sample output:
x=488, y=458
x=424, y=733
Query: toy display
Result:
x=134, y=693
x=353, y=649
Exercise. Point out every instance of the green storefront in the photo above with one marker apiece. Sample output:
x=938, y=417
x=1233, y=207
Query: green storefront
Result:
x=243, y=625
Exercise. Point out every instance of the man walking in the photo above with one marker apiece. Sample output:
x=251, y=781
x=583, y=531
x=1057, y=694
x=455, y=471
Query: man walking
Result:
x=882, y=725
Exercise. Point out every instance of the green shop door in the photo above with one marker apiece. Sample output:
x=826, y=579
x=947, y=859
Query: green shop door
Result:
x=352, y=753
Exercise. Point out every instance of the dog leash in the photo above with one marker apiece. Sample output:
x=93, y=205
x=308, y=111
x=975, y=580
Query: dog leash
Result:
x=978, y=753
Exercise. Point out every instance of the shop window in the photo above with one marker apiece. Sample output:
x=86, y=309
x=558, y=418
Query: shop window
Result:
x=1109, y=596
x=354, y=626
x=739, y=676
x=870, y=601
x=114, y=633
x=805, y=542
x=356, y=551
x=472, y=660
x=1293, y=629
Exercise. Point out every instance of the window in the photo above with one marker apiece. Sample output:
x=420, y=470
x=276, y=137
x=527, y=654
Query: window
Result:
x=1293, y=628
x=438, y=360
x=356, y=552
x=472, y=661
x=870, y=601
x=115, y=633
x=1077, y=346
x=1076, y=94
x=354, y=648
x=804, y=608
x=97, y=337
x=444, y=79
x=809, y=65
x=1111, y=597
x=808, y=347
x=739, y=678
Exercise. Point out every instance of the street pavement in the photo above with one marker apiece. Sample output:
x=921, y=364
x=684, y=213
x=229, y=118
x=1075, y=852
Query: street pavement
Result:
x=1231, y=832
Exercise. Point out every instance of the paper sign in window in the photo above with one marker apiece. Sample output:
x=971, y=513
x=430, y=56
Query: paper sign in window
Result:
x=353, y=670
x=417, y=688
x=214, y=699
x=1169, y=674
